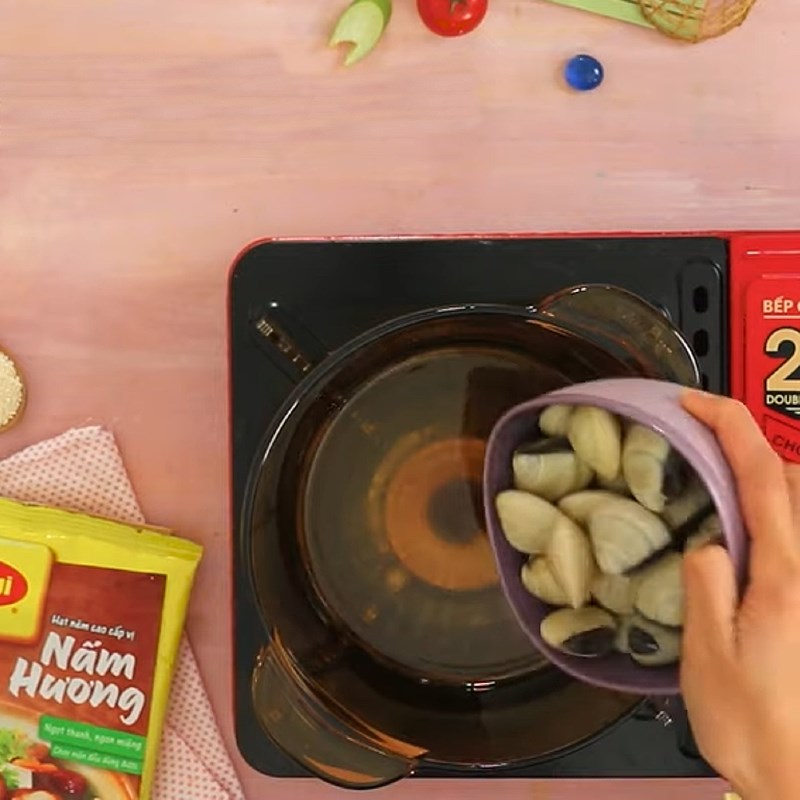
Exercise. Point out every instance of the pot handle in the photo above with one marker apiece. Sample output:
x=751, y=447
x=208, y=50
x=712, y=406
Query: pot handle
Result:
x=624, y=321
x=333, y=747
x=286, y=341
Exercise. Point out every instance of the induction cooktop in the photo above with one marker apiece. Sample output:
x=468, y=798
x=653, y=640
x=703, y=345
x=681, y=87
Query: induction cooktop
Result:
x=341, y=288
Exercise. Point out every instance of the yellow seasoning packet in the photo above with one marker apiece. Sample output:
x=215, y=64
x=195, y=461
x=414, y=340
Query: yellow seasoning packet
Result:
x=91, y=615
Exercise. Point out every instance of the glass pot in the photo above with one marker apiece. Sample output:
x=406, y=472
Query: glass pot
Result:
x=388, y=644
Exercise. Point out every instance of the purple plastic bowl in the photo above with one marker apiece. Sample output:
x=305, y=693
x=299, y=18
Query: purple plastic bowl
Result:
x=649, y=402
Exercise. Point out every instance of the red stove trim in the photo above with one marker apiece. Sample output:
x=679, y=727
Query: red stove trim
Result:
x=778, y=235
x=765, y=334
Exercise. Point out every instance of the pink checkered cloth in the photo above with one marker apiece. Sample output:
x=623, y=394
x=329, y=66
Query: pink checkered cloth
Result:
x=82, y=470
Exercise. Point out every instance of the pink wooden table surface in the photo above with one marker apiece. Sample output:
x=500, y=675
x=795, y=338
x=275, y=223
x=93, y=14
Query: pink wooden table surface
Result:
x=143, y=142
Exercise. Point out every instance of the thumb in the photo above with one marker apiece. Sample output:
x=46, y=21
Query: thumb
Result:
x=711, y=603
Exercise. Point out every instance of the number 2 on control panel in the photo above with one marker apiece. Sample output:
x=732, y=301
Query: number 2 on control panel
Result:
x=786, y=376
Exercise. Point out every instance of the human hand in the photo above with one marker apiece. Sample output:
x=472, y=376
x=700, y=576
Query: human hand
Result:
x=740, y=669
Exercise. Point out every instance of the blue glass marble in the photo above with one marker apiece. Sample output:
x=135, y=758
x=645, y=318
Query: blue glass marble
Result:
x=583, y=73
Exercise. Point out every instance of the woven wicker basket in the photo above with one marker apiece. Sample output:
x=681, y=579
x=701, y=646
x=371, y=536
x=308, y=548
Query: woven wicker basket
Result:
x=695, y=20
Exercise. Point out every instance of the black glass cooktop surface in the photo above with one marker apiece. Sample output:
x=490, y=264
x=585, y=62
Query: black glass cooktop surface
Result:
x=339, y=289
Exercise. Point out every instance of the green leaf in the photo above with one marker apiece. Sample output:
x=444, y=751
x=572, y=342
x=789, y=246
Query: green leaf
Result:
x=13, y=744
x=625, y=10
x=10, y=778
x=362, y=24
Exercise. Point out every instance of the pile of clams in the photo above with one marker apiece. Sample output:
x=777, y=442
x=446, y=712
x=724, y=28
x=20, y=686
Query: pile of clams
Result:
x=605, y=508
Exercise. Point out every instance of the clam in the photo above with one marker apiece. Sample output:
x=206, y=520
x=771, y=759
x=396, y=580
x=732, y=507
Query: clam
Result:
x=579, y=506
x=615, y=592
x=596, y=437
x=624, y=534
x=659, y=594
x=653, y=645
x=526, y=520
x=654, y=472
x=586, y=632
x=539, y=579
x=554, y=420
x=570, y=555
x=709, y=531
x=690, y=503
x=550, y=469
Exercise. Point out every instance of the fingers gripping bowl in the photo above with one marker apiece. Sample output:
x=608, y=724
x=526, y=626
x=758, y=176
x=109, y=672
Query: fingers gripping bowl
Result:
x=577, y=592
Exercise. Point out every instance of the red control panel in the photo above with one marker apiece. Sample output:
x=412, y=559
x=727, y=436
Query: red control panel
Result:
x=765, y=334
